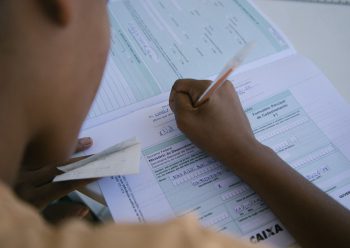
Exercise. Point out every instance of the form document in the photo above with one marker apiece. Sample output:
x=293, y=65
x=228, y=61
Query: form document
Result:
x=292, y=108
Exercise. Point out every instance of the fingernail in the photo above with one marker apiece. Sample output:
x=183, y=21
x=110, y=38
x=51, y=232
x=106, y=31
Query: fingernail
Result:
x=87, y=141
x=83, y=212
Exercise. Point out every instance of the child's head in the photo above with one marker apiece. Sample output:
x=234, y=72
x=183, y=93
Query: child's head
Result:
x=52, y=56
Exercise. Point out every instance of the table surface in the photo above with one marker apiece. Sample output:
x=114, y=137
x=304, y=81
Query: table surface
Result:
x=320, y=32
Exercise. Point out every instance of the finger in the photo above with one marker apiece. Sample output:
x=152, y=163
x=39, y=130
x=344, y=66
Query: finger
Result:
x=59, y=212
x=194, y=88
x=54, y=191
x=38, y=177
x=46, y=174
x=182, y=103
x=83, y=144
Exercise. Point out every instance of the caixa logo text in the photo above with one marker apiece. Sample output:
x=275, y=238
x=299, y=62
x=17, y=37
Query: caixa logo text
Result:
x=267, y=233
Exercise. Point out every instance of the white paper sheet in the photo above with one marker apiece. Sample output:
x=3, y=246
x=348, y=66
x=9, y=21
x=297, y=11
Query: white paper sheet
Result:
x=310, y=131
x=150, y=49
x=120, y=159
x=154, y=43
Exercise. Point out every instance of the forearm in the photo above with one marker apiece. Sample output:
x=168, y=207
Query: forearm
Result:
x=312, y=217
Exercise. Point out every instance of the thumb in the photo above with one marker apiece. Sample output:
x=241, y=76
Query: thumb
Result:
x=182, y=103
x=186, y=92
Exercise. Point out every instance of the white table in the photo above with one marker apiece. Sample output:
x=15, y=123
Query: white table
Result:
x=320, y=32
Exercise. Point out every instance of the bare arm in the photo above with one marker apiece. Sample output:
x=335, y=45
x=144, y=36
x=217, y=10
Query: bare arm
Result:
x=221, y=128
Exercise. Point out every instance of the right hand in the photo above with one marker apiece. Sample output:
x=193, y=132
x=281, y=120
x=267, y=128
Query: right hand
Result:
x=219, y=126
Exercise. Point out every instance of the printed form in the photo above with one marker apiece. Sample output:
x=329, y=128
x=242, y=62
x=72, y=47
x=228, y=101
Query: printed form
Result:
x=291, y=106
x=155, y=42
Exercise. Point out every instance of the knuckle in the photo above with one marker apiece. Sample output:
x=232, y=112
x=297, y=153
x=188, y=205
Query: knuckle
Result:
x=227, y=88
x=184, y=84
x=228, y=84
x=206, y=82
x=178, y=84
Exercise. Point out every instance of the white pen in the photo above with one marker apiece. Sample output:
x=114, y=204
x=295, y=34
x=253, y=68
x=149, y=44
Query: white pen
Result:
x=229, y=68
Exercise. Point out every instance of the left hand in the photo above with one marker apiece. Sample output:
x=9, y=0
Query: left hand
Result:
x=36, y=186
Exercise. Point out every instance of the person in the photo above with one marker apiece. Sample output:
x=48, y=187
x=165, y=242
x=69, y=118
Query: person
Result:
x=52, y=55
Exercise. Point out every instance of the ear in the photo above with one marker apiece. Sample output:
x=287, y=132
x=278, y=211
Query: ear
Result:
x=59, y=11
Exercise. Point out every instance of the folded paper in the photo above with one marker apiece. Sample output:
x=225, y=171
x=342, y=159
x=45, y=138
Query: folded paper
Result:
x=120, y=159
